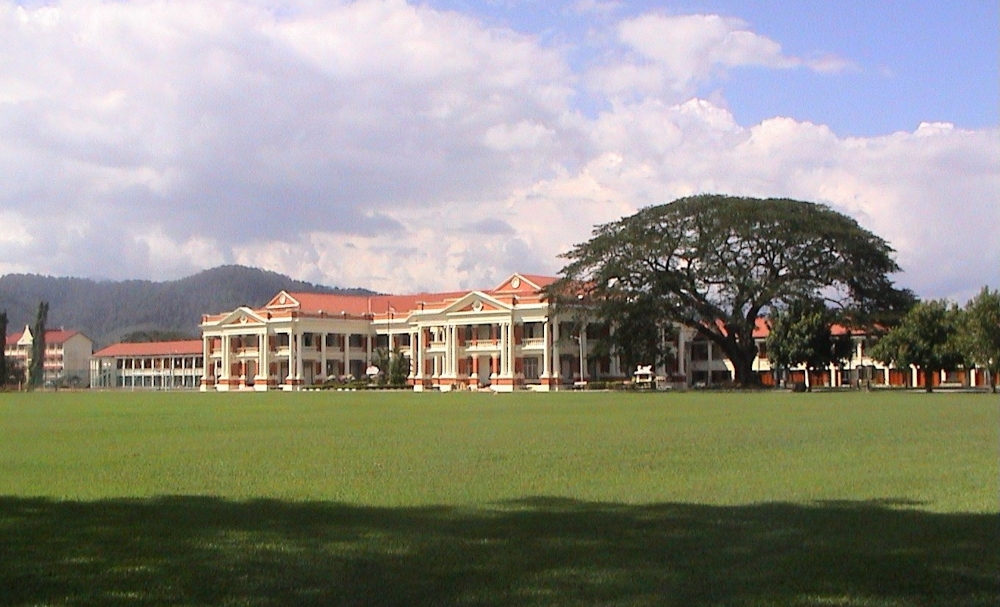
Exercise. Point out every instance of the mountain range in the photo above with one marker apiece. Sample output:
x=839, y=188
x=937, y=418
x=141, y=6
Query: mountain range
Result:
x=105, y=311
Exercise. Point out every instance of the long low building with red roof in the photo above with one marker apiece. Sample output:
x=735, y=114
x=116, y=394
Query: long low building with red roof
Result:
x=164, y=365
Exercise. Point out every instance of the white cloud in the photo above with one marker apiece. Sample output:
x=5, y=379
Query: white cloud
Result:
x=673, y=54
x=387, y=145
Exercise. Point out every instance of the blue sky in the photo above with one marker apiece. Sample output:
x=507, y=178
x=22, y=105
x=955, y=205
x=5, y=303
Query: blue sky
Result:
x=915, y=61
x=329, y=140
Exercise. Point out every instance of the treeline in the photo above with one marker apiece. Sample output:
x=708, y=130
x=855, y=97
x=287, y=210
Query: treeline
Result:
x=107, y=311
x=932, y=336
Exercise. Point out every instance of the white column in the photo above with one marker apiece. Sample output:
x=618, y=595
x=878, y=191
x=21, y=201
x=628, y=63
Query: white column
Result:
x=298, y=356
x=226, y=366
x=347, y=352
x=505, y=349
x=556, y=365
x=452, y=350
x=291, y=357
x=681, y=354
x=420, y=353
x=413, y=354
x=446, y=357
x=206, y=346
x=322, y=355
x=502, y=346
x=511, y=348
x=263, y=362
x=546, y=350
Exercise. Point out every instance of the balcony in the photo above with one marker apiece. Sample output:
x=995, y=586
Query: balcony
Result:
x=482, y=345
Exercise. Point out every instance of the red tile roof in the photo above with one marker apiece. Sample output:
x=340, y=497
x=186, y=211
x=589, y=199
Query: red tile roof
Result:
x=381, y=305
x=152, y=348
x=541, y=281
x=52, y=336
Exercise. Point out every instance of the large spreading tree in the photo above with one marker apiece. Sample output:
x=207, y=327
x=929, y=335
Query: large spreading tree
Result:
x=716, y=264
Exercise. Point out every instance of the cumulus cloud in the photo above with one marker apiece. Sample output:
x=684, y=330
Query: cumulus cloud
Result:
x=388, y=145
x=672, y=54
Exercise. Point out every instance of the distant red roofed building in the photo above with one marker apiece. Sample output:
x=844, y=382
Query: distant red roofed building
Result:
x=67, y=355
x=162, y=365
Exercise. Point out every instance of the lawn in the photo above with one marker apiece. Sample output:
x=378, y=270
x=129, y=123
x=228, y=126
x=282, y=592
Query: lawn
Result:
x=445, y=499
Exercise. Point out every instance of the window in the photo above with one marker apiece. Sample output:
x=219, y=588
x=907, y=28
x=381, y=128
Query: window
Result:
x=699, y=350
x=531, y=368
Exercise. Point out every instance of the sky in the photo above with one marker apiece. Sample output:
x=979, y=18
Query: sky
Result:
x=445, y=144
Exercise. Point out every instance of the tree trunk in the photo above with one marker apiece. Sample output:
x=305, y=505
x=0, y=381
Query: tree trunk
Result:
x=740, y=357
x=928, y=381
x=746, y=377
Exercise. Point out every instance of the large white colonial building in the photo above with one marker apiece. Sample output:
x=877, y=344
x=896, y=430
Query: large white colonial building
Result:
x=503, y=338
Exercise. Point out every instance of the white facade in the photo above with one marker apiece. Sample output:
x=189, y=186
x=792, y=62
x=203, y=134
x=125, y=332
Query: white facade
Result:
x=67, y=355
x=174, y=365
x=502, y=339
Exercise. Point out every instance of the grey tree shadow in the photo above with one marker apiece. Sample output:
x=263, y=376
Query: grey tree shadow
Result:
x=541, y=551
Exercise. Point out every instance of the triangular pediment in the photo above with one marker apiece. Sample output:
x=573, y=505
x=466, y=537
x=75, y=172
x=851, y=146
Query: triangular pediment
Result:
x=476, y=302
x=281, y=301
x=518, y=283
x=242, y=316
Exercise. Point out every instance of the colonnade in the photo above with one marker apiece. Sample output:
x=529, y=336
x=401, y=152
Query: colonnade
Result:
x=503, y=353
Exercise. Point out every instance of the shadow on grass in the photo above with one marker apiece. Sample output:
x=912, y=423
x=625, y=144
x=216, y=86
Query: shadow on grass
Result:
x=208, y=551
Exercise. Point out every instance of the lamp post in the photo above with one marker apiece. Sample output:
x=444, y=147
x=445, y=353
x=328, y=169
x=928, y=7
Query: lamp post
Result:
x=579, y=340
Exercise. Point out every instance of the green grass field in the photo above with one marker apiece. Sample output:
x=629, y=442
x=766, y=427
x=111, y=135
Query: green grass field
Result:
x=879, y=499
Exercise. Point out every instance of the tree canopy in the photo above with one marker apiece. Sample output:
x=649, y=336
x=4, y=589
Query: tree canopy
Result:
x=802, y=334
x=717, y=263
x=927, y=338
x=36, y=369
x=981, y=332
x=3, y=355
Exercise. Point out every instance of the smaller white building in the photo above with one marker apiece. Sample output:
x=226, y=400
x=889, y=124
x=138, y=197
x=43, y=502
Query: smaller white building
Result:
x=67, y=355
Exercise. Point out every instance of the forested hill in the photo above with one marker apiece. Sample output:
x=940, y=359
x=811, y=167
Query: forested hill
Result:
x=105, y=310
